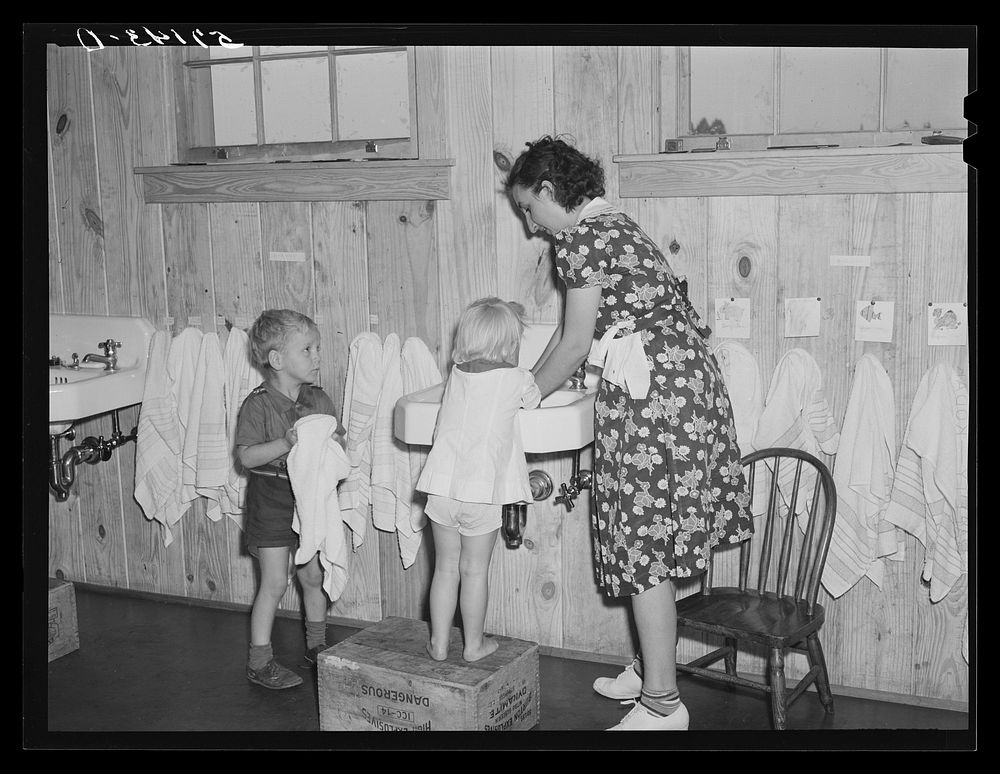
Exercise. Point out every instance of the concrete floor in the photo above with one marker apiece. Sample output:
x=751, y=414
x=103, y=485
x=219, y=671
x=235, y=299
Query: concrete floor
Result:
x=152, y=673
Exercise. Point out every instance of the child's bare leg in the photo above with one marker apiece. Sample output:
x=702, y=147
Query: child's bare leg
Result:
x=474, y=569
x=444, y=588
x=313, y=597
x=273, y=583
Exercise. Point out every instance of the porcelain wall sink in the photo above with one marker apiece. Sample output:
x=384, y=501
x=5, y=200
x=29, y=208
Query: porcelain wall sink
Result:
x=563, y=422
x=75, y=393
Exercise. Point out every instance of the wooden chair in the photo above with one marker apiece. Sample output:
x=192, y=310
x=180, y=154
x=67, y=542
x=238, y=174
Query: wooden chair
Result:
x=769, y=613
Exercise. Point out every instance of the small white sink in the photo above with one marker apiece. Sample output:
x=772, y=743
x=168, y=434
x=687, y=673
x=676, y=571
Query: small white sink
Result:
x=563, y=422
x=89, y=390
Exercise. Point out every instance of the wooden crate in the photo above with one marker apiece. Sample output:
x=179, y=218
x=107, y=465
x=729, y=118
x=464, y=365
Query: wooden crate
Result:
x=63, y=635
x=382, y=679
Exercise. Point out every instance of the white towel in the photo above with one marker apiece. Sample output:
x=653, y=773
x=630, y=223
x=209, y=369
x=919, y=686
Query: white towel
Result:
x=623, y=360
x=930, y=491
x=420, y=370
x=316, y=464
x=158, y=444
x=797, y=416
x=182, y=366
x=206, y=456
x=240, y=378
x=863, y=473
x=391, y=475
x=746, y=390
x=364, y=381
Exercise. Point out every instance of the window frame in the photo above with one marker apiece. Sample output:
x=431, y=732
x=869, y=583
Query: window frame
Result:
x=675, y=113
x=186, y=97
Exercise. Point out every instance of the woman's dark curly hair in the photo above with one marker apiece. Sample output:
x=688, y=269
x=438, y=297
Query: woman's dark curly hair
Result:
x=573, y=175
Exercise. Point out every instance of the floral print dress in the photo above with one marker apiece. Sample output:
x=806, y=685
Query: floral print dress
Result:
x=668, y=484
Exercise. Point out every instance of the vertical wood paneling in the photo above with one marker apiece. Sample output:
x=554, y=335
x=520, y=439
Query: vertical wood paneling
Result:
x=76, y=194
x=403, y=295
x=65, y=545
x=586, y=105
x=238, y=281
x=468, y=268
x=522, y=112
x=638, y=97
x=341, y=271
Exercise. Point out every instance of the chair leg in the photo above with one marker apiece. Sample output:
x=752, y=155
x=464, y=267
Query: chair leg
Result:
x=823, y=679
x=776, y=673
x=730, y=660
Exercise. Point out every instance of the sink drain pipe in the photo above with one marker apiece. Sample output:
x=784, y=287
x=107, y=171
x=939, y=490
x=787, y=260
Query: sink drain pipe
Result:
x=62, y=469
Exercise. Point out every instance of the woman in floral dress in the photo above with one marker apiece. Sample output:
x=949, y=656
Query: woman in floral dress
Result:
x=668, y=484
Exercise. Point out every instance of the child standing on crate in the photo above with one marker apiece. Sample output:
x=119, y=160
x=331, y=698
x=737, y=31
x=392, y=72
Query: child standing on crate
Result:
x=285, y=346
x=476, y=465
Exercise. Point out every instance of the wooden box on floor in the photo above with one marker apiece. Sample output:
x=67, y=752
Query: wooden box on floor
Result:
x=382, y=679
x=63, y=635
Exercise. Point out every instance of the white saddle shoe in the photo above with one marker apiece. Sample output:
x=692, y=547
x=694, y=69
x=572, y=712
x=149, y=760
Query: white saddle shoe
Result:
x=627, y=685
x=641, y=719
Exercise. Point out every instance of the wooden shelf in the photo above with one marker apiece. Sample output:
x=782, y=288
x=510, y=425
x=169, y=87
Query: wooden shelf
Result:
x=902, y=169
x=315, y=181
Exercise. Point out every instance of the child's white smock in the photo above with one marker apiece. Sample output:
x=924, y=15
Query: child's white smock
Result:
x=477, y=455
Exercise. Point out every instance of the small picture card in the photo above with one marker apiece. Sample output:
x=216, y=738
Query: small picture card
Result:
x=802, y=317
x=732, y=318
x=947, y=324
x=873, y=320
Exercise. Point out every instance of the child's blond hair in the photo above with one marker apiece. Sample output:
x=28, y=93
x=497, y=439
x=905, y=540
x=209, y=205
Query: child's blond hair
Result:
x=489, y=329
x=271, y=330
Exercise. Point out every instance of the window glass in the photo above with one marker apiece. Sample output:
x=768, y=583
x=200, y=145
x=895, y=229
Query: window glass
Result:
x=233, y=104
x=372, y=96
x=296, y=100
x=731, y=90
x=925, y=88
x=270, y=50
x=829, y=89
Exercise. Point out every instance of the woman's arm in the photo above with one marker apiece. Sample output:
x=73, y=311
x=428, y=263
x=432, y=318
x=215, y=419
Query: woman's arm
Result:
x=573, y=345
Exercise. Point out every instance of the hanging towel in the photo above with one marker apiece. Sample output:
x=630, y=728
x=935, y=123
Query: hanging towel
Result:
x=391, y=474
x=364, y=381
x=316, y=464
x=240, y=378
x=930, y=492
x=182, y=367
x=863, y=473
x=796, y=415
x=158, y=445
x=420, y=370
x=746, y=390
x=206, y=456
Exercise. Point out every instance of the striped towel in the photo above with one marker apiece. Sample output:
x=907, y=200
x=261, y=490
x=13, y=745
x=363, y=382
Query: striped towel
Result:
x=796, y=415
x=315, y=465
x=158, y=445
x=182, y=366
x=240, y=377
x=206, y=454
x=364, y=381
x=863, y=473
x=420, y=370
x=930, y=492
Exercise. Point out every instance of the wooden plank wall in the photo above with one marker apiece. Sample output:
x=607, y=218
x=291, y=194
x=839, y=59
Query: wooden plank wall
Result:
x=410, y=267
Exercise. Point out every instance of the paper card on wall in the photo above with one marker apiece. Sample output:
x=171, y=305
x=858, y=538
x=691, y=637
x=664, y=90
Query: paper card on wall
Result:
x=947, y=324
x=873, y=320
x=732, y=318
x=801, y=317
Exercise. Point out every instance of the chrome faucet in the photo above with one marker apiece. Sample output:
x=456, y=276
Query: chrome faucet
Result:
x=109, y=358
x=576, y=381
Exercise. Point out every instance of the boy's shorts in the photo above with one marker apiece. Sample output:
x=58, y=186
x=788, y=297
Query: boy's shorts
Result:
x=470, y=519
x=269, y=506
